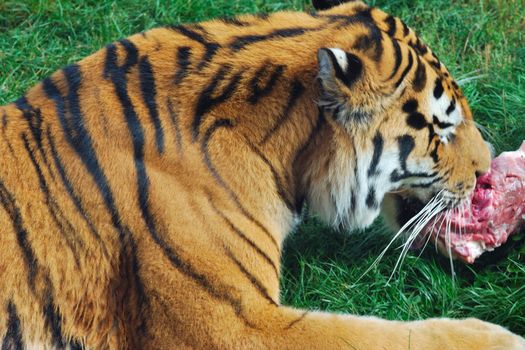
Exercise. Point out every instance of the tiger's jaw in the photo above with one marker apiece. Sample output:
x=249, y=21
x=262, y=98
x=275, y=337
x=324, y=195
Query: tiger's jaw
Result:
x=345, y=179
x=415, y=218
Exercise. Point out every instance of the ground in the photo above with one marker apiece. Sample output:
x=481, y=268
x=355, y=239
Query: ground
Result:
x=482, y=43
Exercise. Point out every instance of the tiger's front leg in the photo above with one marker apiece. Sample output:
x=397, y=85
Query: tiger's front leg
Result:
x=190, y=308
x=278, y=327
x=330, y=331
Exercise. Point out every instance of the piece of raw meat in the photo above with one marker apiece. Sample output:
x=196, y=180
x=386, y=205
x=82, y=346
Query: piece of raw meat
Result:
x=496, y=210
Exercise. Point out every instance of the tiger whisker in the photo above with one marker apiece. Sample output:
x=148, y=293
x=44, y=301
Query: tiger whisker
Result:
x=418, y=227
x=431, y=232
x=408, y=224
x=439, y=230
x=448, y=241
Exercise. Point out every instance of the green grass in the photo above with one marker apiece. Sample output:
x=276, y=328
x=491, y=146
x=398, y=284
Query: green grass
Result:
x=482, y=42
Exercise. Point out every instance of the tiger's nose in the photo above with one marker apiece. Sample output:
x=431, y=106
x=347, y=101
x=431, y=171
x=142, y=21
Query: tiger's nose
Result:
x=480, y=173
x=492, y=153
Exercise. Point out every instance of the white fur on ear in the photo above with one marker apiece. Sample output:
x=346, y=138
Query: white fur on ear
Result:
x=339, y=69
x=341, y=58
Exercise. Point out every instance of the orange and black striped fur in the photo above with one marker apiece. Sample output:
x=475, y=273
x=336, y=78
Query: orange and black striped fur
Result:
x=146, y=190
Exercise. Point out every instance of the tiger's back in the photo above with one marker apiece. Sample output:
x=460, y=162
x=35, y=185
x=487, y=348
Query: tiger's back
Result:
x=89, y=141
x=147, y=189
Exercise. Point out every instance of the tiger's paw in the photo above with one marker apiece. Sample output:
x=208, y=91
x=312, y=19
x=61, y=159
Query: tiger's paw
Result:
x=468, y=334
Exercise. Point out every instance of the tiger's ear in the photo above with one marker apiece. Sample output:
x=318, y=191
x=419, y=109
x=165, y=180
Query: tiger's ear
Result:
x=338, y=72
x=336, y=64
x=327, y=4
x=349, y=86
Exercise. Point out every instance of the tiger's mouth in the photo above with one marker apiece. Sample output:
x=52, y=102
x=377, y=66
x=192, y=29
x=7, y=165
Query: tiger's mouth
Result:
x=416, y=219
x=407, y=208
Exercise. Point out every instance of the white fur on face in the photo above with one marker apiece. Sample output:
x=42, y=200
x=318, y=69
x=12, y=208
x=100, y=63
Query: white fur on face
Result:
x=350, y=196
x=438, y=108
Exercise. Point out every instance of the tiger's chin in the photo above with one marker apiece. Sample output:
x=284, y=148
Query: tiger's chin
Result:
x=398, y=208
x=406, y=213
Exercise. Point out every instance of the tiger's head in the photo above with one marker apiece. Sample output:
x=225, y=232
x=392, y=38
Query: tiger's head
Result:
x=401, y=130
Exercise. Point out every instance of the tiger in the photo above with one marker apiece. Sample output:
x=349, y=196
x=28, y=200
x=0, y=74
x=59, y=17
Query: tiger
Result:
x=146, y=190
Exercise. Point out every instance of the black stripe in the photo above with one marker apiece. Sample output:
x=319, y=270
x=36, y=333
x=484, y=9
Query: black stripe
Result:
x=406, y=30
x=410, y=106
x=337, y=67
x=263, y=16
x=398, y=56
x=75, y=132
x=434, y=153
x=322, y=5
x=53, y=320
x=78, y=136
x=70, y=190
x=357, y=176
x=426, y=184
x=75, y=345
x=259, y=92
x=395, y=176
x=406, y=145
x=4, y=136
x=73, y=126
x=117, y=74
x=296, y=92
x=243, y=236
x=390, y=21
x=378, y=151
x=13, y=337
x=283, y=192
x=241, y=42
x=371, y=200
x=372, y=40
x=440, y=124
x=354, y=69
x=420, y=77
x=4, y=121
x=183, y=64
x=207, y=100
x=175, y=123
x=210, y=47
x=234, y=21
x=353, y=203
x=149, y=93
x=300, y=318
x=431, y=134
x=436, y=65
x=438, y=89
x=254, y=281
x=363, y=17
x=120, y=82
x=452, y=107
x=33, y=118
x=9, y=203
x=193, y=35
x=416, y=121
x=407, y=69
x=420, y=48
x=226, y=123
x=315, y=130
x=65, y=227
x=299, y=200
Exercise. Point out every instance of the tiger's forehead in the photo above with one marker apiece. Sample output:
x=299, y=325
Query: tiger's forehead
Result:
x=400, y=32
